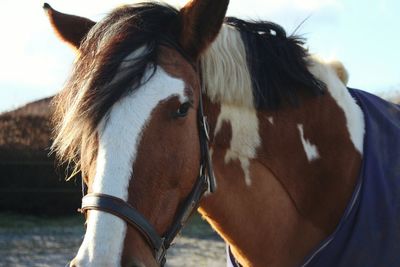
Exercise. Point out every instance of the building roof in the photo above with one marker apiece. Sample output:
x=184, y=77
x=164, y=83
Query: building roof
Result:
x=40, y=107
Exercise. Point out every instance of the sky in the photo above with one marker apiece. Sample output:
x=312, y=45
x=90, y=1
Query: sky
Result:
x=363, y=34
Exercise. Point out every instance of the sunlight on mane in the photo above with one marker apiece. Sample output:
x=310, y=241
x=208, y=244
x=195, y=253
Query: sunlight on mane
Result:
x=227, y=58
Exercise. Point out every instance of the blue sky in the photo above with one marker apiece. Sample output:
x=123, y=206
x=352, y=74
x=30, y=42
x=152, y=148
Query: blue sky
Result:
x=363, y=34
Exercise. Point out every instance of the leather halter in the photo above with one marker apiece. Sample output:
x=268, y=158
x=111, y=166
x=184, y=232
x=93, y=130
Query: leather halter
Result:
x=123, y=210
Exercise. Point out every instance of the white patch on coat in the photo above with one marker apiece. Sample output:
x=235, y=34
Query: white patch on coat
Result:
x=119, y=136
x=245, y=135
x=227, y=80
x=354, y=116
x=271, y=120
x=310, y=149
x=225, y=72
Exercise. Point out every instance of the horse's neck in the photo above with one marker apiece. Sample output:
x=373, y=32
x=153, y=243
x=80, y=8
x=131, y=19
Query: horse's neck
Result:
x=283, y=178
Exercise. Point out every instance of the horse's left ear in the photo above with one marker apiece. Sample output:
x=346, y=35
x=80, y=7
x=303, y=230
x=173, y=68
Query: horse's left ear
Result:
x=71, y=29
x=201, y=21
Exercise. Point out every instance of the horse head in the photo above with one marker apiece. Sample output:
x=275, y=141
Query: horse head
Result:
x=129, y=118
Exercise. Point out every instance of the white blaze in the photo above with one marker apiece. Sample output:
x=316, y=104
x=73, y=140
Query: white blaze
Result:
x=119, y=136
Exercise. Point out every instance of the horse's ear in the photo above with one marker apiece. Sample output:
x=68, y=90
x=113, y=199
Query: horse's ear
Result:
x=71, y=29
x=201, y=21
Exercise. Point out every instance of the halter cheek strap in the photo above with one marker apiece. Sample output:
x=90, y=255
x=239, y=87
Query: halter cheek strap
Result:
x=126, y=212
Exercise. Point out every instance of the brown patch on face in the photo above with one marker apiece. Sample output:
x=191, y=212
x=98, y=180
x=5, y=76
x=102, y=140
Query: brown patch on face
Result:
x=167, y=162
x=177, y=66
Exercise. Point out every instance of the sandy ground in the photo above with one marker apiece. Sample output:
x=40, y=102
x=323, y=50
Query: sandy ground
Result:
x=29, y=241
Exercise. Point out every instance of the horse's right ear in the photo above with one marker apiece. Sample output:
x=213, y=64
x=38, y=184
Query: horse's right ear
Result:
x=71, y=29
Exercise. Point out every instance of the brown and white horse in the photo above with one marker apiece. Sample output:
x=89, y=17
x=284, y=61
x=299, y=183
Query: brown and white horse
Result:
x=285, y=136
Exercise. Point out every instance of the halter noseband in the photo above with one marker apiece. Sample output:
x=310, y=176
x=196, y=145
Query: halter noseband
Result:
x=123, y=210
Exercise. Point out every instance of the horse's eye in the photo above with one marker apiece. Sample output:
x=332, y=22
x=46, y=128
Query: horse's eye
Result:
x=183, y=110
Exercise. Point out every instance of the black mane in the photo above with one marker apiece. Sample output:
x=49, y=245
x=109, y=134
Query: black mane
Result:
x=145, y=25
x=93, y=88
x=277, y=63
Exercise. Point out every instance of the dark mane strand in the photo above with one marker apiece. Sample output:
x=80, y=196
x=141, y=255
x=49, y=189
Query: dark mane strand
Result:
x=142, y=28
x=277, y=63
x=102, y=74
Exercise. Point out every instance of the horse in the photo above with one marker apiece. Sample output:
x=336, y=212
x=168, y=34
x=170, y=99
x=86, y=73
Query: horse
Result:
x=168, y=111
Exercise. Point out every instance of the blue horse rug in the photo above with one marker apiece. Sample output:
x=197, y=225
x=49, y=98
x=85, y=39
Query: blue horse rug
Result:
x=368, y=235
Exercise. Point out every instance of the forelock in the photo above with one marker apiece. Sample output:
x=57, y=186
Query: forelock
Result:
x=107, y=69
